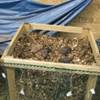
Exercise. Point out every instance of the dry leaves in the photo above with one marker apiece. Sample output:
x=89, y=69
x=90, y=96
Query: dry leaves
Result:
x=43, y=85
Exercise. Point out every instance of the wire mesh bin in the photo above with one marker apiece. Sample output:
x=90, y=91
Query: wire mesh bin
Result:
x=50, y=74
x=44, y=85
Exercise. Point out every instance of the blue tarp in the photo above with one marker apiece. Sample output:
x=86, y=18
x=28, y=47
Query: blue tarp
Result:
x=15, y=12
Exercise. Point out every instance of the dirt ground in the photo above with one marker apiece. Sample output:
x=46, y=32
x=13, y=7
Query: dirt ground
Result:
x=90, y=18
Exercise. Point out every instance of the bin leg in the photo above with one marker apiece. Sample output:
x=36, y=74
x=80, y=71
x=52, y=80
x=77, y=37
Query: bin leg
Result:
x=11, y=83
x=91, y=84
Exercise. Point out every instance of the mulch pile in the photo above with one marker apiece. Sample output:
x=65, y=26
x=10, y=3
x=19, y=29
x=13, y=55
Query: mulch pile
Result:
x=43, y=85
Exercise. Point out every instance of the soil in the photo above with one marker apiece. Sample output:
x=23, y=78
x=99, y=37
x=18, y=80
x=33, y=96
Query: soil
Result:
x=43, y=85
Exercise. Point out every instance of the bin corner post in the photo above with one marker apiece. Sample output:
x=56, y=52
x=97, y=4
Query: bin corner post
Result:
x=11, y=83
x=91, y=84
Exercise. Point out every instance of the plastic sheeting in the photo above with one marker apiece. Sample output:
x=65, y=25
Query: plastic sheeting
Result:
x=98, y=42
x=15, y=12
